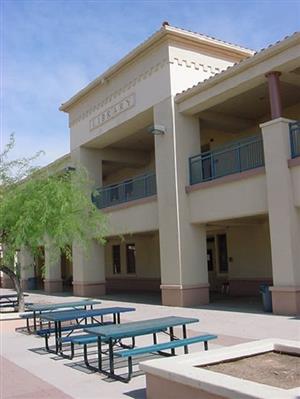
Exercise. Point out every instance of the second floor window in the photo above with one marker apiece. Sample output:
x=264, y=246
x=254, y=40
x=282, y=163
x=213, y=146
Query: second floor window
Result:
x=130, y=257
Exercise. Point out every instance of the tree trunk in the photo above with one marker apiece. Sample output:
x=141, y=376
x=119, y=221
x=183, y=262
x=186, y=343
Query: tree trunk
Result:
x=16, y=281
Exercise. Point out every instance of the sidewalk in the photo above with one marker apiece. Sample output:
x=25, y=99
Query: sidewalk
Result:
x=30, y=371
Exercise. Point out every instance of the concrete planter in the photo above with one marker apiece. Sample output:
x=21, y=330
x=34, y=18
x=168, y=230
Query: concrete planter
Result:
x=181, y=377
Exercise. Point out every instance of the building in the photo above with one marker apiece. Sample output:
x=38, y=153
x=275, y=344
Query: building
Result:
x=194, y=147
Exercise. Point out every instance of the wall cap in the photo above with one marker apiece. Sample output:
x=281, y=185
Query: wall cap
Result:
x=275, y=121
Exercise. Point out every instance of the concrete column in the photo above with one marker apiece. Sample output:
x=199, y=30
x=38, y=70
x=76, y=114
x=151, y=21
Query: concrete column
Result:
x=53, y=280
x=284, y=218
x=89, y=270
x=89, y=265
x=184, y=273
x=6, y=282
x=26, y=261
x=274, y=94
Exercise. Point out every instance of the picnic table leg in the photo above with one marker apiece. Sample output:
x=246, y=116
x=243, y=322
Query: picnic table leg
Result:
x=59, y=336
x=99, y=344
x=172, y=339
x=114, y=318
x=41, y=324
x=186, y=349
x=27, y=325
x=154, y=339
x=34, y=321
x=118, y=318
x=56, y=336
x=205, y=346
x=111, y=357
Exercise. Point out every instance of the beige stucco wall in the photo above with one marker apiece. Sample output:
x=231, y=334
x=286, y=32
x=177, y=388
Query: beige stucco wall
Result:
x=295, y=173
x=133, y=217
x=129, y=172
x=250, y=250
x=216, y=138
x=189, y=64
x=245, y=197
x=166, y=69
x=147, y=256
x=149, y=74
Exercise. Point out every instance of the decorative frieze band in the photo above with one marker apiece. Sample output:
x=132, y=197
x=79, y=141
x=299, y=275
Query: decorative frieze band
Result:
x=213, y=70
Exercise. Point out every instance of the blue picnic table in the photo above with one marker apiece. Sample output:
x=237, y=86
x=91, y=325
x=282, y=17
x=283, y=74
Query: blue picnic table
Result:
x=38, y=309
x=80, y=316
x=116, y=332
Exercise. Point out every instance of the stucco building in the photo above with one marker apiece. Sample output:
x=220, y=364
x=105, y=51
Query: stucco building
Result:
x=194, y=147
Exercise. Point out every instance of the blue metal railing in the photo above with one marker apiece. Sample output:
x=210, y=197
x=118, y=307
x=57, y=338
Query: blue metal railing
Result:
x=233, y=158
x=295, y=139
x=128, y=190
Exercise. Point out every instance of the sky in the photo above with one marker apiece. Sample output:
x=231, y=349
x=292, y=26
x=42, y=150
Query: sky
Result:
x=50, y=49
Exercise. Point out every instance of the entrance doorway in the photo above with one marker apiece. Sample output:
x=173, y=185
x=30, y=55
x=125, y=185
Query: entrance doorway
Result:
x=217, y=261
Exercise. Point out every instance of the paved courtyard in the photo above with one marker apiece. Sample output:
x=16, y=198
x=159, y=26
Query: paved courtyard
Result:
x=27, y=371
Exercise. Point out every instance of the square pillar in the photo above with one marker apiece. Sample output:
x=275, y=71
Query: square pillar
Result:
x=184, y=274
x=89, y=264
x=53, y=280
x=26, y=261
x=284, y=218
x=89, y=270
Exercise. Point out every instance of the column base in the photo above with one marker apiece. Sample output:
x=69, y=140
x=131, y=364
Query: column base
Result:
x=187, y=295
x=6, y=282
x=89, y=289
x=53, y=286
x=286, y=300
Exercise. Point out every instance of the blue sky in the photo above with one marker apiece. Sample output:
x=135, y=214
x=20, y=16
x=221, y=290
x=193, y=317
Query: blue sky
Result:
x=52, y=48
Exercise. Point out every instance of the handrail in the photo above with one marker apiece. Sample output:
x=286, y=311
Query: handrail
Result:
x=232, y=158
x=295, y=139
x=128, y=190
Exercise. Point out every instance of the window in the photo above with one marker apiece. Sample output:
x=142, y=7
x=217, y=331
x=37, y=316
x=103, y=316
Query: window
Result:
x=210, y=241
x=223, y=257
x=116, y=259
x=210, y=265
x=130, y=257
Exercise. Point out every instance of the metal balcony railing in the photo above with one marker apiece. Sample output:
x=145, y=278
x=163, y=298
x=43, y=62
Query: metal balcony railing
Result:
x=233, y=158
x=129, y=190
x=295, y=139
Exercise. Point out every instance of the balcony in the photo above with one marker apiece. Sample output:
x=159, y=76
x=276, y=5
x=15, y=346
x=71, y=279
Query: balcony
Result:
x=129, y=190
x=233, y=158
x=295, y=139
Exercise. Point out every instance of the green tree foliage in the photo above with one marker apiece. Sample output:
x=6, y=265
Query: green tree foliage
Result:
x=39, y=203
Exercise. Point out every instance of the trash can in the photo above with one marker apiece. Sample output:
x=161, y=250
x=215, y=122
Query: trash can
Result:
x=266, y=297
x=32, y=283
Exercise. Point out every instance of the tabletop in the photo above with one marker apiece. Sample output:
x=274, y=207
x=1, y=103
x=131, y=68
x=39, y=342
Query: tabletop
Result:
x=52, y=306
x=143, y=327
x=77, y=314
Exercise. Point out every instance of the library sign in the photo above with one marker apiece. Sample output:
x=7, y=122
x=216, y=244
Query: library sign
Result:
x=113, y=111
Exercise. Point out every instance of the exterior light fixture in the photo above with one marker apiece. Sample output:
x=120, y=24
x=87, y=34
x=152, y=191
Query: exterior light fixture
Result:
x=157, y=130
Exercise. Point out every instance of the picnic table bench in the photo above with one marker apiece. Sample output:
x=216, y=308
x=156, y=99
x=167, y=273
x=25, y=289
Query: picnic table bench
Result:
x=9, y=300
x=36, y=310
x=115, y=333
x=79, y=316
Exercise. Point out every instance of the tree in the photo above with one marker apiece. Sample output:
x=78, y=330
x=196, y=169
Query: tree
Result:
x=39, y=204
